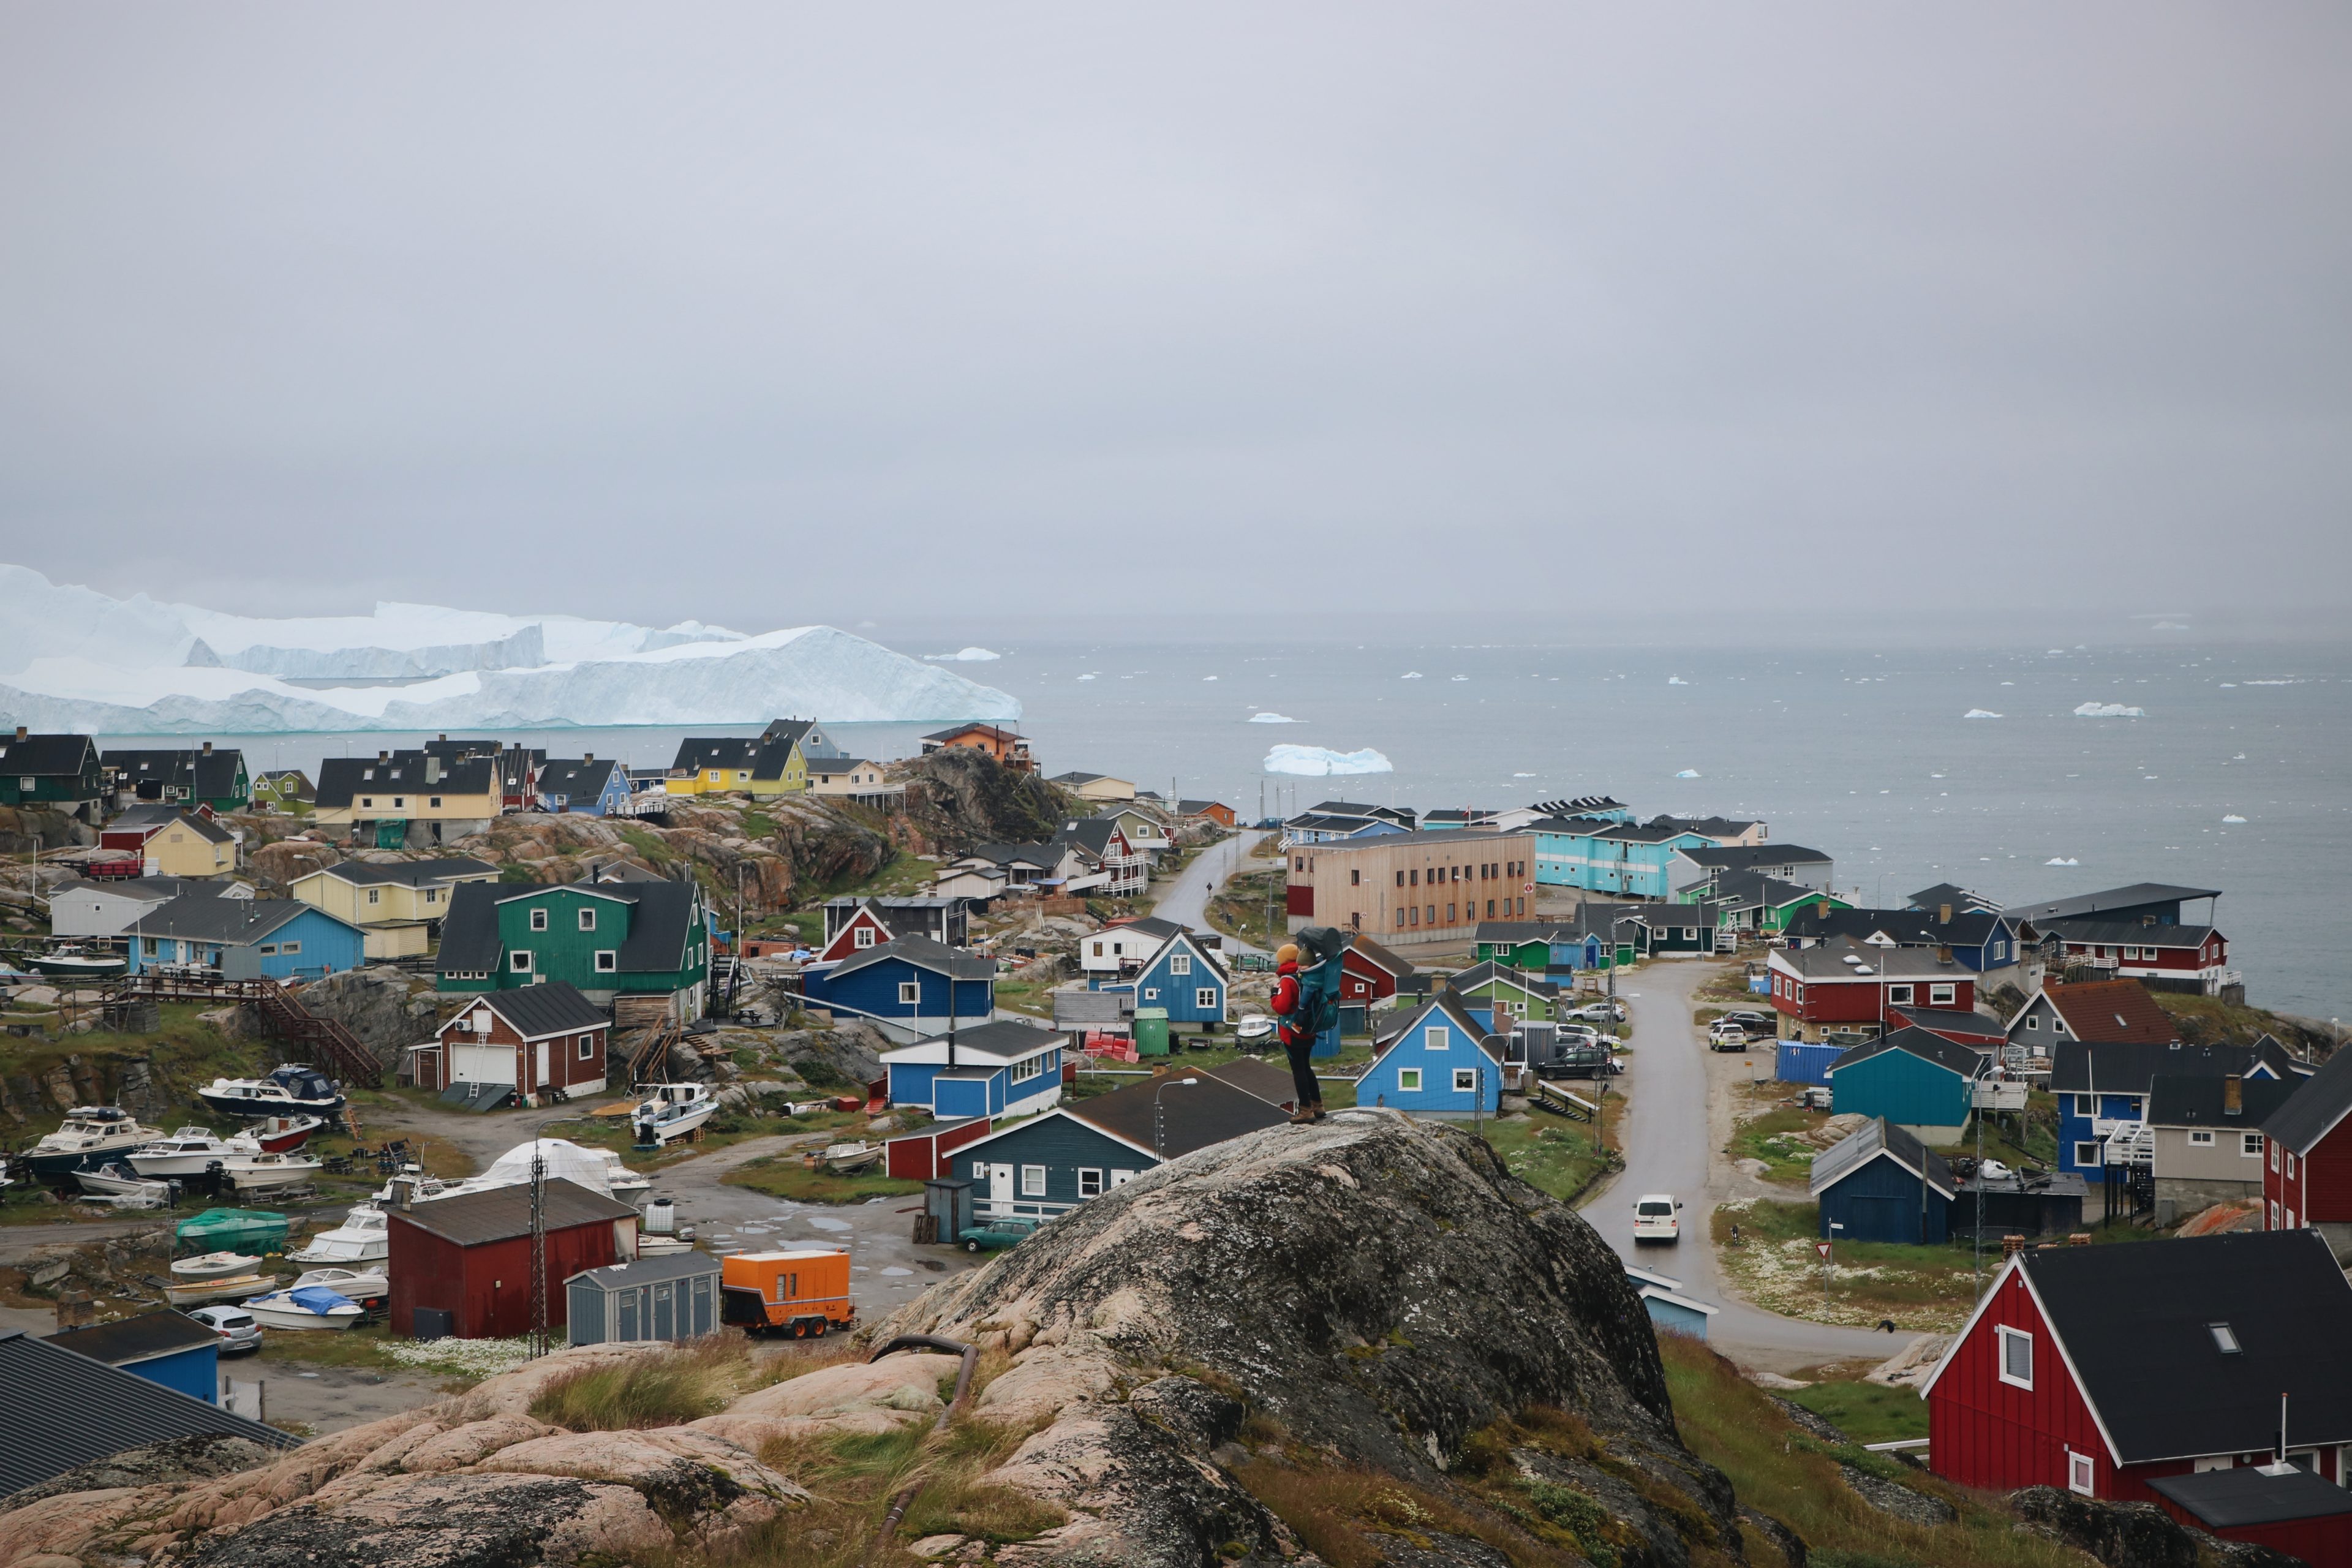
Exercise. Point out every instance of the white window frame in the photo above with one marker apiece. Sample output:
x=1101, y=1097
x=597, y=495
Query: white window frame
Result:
x=2249, y=1145
x=1898, y=994
x=376, y=895
x=2274, y=1156
x=1090, y=1182
x=2032, y=1022
x=2005, y=1337
x=910, y=993
x=2087, y=1105
x=1022, y=1071
x=539, y=919
x=2093, y=1147
x=1204, y=997
x=519, y=961
x=1465, y=1081
x=2081, y=1473
x=290, y=947
x=864, y=938
x=1944, y=994
x=587, y=920
x=1408, y=1080
x=1437, y=1037
x=2200, y=1139
x=587, y=1047
x=608, y=961
x=1180, y=963
x=1032, y=1181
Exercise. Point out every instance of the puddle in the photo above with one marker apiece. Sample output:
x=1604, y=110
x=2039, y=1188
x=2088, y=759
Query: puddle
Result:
x=894, y=1268
x=825, y=1222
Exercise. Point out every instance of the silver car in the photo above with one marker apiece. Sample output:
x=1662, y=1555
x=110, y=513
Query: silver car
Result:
x=237, y=1330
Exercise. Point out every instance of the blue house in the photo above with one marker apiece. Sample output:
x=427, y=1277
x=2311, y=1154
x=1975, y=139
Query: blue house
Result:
x=589, y=787
x=1049, y=1164
x=165, y=1347
x=913, y=985
x=2102, y=1087
x=1437, y=1063
x=1882, y=1184
x=1921, y=1082
x=244, y=939
x=1979, y=938
x=1004, y=1068
x=1672, y=1311
x=1182, y=975
x=1625, y=859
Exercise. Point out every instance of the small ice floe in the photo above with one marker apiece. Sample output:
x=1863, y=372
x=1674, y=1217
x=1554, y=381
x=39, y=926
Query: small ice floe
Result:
x=1980, y=713
x=1208, y=678
x=1523, y=775
x=2233, y=817
x=1676, y=681
x=2109, y=711
x=2274, y=683
x=1085, y=678
x=1688, y=774
x=1410, y=674
x=2238, y=758
x=2061, y=860
x=965, y=656
x=1270, y=717
x=1461, y=678
x=2229, y=685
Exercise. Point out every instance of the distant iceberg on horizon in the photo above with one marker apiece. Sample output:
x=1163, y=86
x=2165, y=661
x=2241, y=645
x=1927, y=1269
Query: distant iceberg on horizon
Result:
x=1318, y=762
x=1980, y=713
x=2109, y=711
x=964, y=655
x=77, y=660
x=1270, y=717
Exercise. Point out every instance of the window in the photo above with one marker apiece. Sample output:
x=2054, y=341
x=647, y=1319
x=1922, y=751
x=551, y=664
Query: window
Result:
x=2084, y=1106
x=1941, y=995
x=376, y=895
x=2033, y=1022
x=2086, y=1154
x=1408, y=1082
x=1354, y=876
x=587, y=920
x=2225, y=1339
x=1206, y=998
x=1181, y=964
x=2290, y=1164
x=1400, y=878
x=399, y=802
x=2082, y=1472
x=1416, y=874
x=2016, y=1357
x=1690, y=934
x=1032, y=1181
x=1899, y=996
x=1490, y=908
x=432, y=895
x=2274, y=1156
x=866, y=935
x=1438, y=1036
x=268, y=949
x=539, y=919
x=862, y=935
x=519, y=961
x=2200, y=1140
x=434, y=802
x=1023, y=1072
x=910, y=993
x=1432, y=914
x=608, y=961
x=587, y=1047
x=367, y=800
x=2249, y=1145
x=1465, y=1081
x=1151, y=993
x=1400, y=920
x=1090, y=1182
x=1449, y=914
x=2274, y=1223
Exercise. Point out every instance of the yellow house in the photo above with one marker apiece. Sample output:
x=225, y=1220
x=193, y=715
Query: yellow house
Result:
x=396, y=906
x=1094, y=786
x=774, y=761
x=172, y=843
x=409, y=799
x=854, y=778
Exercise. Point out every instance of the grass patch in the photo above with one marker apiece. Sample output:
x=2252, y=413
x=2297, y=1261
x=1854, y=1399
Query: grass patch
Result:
x=1560, y=1157
x=1866, y=1412
x=1919, y=1288
x=1341, y=1515
x=1033, y=998
x=361, y=1346
x=1239, y=909
x=662, y=1389
x=2208, y=1020
x=784, y=1177
x=1770, y=1138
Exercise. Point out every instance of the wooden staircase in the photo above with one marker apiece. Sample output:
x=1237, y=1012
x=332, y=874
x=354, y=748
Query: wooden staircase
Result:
x=328, y=1044
x=652, y=1048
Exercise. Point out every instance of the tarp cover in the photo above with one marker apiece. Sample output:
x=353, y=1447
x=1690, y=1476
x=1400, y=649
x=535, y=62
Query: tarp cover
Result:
x=232, y=1230
x=319, y=1299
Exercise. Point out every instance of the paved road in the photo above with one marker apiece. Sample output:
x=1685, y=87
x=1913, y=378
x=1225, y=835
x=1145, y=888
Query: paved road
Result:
x=1671, y=1147
x=1186, y=898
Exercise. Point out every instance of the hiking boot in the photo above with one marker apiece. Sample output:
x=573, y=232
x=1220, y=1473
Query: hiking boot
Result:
x=1315, y=1112
x=1302, y=1116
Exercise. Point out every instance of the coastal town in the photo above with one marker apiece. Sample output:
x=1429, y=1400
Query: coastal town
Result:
x=454, y=1056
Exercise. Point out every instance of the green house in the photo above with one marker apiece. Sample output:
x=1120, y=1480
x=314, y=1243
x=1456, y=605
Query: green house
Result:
x=1521, y=944
x=290, y=790
x=1508, y=992
x=52, y=772
x=185, y=776
x=608, y=939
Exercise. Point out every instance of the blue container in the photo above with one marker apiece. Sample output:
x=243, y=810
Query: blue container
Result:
x=1797, y=1062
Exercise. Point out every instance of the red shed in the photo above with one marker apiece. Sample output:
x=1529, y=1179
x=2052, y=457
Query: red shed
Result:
x=2100, y=1369
x=470, y=1256
x=2283, y=1507
x=1368, y=971
x=2307, y=1169
x=921, y=1156
x=545, y=1040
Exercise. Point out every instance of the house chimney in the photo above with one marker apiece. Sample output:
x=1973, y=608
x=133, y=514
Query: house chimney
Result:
x=208, y=748
x=20, y=732
x=1943, y=914
x=1943, y=955
x=384, y=756
x=2233, y=1095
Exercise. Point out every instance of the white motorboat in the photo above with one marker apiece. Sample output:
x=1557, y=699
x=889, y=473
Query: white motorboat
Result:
x=232, y=1288
x=88, y=1130
x=670, y=1111
x=70, y=959
x=848, y=1159
x=116, y=1180
x=305, y=1307
x=268, y=1172
x=190, y=1152
x=1254, y=1029
x=286, y=1092
x=413, y=1185
x=620, y=1181
x=361, y=1238
x=212, y=1266
x=363, y=1285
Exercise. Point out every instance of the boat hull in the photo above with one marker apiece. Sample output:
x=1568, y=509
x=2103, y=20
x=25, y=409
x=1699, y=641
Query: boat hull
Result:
x=86, y=968
x=270, y=1316
x=214, y=1265
x=671, y=1131
x=58, y=1164
x=253, y=1106
x=220, y=1289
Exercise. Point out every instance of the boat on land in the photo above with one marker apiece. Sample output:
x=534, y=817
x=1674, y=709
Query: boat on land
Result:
x=70, y=959
x=285, y=1134
x=670, y=1111
x=268, y=1172
x=207, y=1267
x=362, y=1238
x=113, y=1179
x=290, y=1090
x=848, y=1159
x=234, y=1288
x=99, y=1131
x=361, y=1285
x=305, y=1307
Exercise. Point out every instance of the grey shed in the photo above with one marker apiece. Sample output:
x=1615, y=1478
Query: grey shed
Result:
x=674, y=1297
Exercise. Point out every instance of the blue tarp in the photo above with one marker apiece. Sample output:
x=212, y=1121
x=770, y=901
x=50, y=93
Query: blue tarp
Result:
x=319, y=1299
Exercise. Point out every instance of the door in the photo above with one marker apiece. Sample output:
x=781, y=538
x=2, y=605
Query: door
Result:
x=665, y=1313
x=701, y=1322
x=624, y=1321
x=999, y=1189
x=541, y=1079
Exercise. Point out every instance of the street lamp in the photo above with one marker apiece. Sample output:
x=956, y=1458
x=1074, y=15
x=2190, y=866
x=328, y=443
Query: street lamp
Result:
x=1620, y=920
x=1158, y=1120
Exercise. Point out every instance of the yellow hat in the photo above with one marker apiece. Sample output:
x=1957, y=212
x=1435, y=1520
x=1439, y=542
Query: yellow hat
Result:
x=1287, y=953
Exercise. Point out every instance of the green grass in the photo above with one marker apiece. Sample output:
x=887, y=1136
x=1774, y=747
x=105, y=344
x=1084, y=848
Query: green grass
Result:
x=1917, y=1287
x=1787, y=1159
x=1866, y=1412
x=660, y=1390
x=784, y=1177
x=1033, y=998
x=1560, y=1157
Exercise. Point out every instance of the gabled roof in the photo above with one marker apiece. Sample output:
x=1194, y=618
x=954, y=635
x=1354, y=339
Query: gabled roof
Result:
x=2180, y=1099
x=775, y=747
x=1151, y=926
x=1512, y=932
x=1456, y=1011
x=1044, y=857
x=1754, y=889
x=1091, y=833
x=697, y=752
x=196, y=916
x=638, y=1271
x=2130, y=1067
x=661, y=919
x=499, y=1214
x=536, y=1012
x=1952, y=893
x=2128, y=896
x=1879, y=1139
x=923, y=953
x=2121, y=931
x=2135, y=1324
x=1191, y=943
x=1258, y=1076
x=1708, y=826
x=1478, y=974
x=2316, y=1109
x=1964, y=1061
x=406, y=873
x=1950, y=1024
x=1199, y=807
x=1904, y=928
x=128, y=1341
x=345, y=780
x=152, y=818
x=1359, y=808
x=66, y=1409
x=1380, y=957
x=993, y=732
x=1184, y=1116
x=48, y=756
x=993, y=1043
x=2111, y=1011
x=207, y=774
x=1747, y=857
x=581, y=778
x=1825, y=962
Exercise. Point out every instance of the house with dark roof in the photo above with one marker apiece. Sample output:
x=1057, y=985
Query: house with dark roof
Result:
x=172, y=841
x=162, y=1346
x=288, y=790
x=1119, y=948
x=52, y=772
x=853, y=924
x=462, y=1265
x=1110, y=863
x=1881, y=1184
x=398, y=904
x=858, y=779
x=1841, y=985
x=2208, y=1141
x=607, y=938
x=1920, y=1082
x=185, y=776
x=1370, y=973
x=1752, y=901
x=1258, y=1076
x=1182, y=975
x=1691, y=869
x=1726, y=831
x=2097, y=1370
x=1941, y=894
x=1601, y=855
x=909, y=986
x=2157, y=902
x=713, y=764
x=1438, y=1062
x=545, y=1042
x=2167, y=957
x=1500, y=994
x=244, y=938
x=2307, y=1169
x=1982, y=1031
x=1979, y=940
x=2103, y=1091
x=584, y=786
x=66, y=1409
x=1003, y=1067
x=2281, y=1506
x=516, y=767
x=1094, y=786
x=1400, y=816
x=83, y=908
x=1331, y=827
x=409, y=799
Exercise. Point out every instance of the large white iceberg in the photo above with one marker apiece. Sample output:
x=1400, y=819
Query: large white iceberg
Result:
x=1318, y=761
x=74, y=660
x=2109, y=711
x=1270, y=717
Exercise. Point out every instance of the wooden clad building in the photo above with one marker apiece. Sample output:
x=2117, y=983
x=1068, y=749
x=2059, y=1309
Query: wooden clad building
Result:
x=1412, y=889
x=469, y=1256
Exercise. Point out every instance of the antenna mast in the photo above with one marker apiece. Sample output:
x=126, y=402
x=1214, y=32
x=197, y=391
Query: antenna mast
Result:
x=539, y=1346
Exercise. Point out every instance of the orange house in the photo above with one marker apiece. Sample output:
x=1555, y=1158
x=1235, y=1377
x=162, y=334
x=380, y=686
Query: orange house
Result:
x=1006, y=747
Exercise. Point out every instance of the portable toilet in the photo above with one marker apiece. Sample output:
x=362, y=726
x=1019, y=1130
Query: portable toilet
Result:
x=948, y=1205
x=1152, y=1031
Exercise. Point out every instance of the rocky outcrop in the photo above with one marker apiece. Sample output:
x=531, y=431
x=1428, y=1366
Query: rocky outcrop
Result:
x=2119, y=1535
x=275, y=866
x=158, y=1464
x=23, y=828
x=387, y=1008
x=959, y=797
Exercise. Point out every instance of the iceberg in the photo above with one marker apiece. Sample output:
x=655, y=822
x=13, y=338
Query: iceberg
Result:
x=1688, y=774
x=1270, y=717
x=1410, y=674
x=2061, y=860
x=1318, y=761
x=1980, y=713
x=965, y=656
x=2233, y=817
x=72, y=659
x=2109, y=711
x=1676, y=681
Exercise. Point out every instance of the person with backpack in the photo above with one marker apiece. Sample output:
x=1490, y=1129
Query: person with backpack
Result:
x=1294, y=1005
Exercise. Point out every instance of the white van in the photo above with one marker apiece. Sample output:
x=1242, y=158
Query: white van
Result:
x=1657, y=1217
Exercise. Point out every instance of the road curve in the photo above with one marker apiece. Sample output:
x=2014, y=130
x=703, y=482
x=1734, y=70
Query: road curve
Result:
x=1185, y=898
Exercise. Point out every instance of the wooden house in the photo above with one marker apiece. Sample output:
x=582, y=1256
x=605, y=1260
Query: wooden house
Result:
x=1147, y=832
x=1437, y=1062
x=288, y=790
x=1920, y=1082
x=1728, y=831
x=244, y=938
x=399, y=905
x=1411, y=888
x=607, y=938
x=1003, y=1068
x=1979, y=940
x=1094, y=786
x=1763, y=905
x=2207, y=1142
x=1371, y=973
x=1880, y=1184
x=2194, y=959
x=2103, y=1089
x=713, y=764
x=587, y=786
x=1841, y=984
x=69, y=1410
x=187, y=776
x=2307, y=1170
x=2158, y=902
x=2283, y=1508
x=1330, y=827
x=940, y=919
x=163, y=1346
x=858, y=779
x=1671, y=1311
x=1508, y=994
x=515, y=768
x=1109, y=863
x=171, y=841
x=466, y=1260
x=409, y=800
x=1119, y=948
x=1978, y=1031
x=909, y=985
x=1181, y=974
x=1047, y=869
x=2097, y=1370
x=546, y=1042
x=989, y=740
x=52, y=772
x=1211, y=811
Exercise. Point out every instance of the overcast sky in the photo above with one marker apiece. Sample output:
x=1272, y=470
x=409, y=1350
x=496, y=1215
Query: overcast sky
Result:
x=770, y=313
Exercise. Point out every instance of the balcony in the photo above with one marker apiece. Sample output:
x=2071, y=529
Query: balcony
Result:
x=1999, y=1094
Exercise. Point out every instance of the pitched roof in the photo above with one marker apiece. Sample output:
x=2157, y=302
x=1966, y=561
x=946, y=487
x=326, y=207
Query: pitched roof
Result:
x=2131, y=931
x=1711, y=827
x=469, y=931
x=406, y=873
x=2130, y=1067
x=345, y=780
x=2111, y=1010
x=661, y=917
x=2316, y=1109
x=1478, y=974
x=66, y=1409
x=582, y=778
x=1091, y=833
x=659, y=924
x=1877, y=1139
x=1456, y=1008
x=923, y=953
x=1515, y=932
x=1747, y=857
x=1258, y=1076
x=199, y=917
x=993, y=732
x=776, y=745
x=1905, y=928
x=1754, y=889
x=1826, y=961
x=2183, y=1099
x=1952, y=893
x=1044, y=857
x=556, y=1007
x=1185, y=1115
x=1443, y=837
x=1948, y=1023
x=2129, y=896
x=1372, y=952
x=1964, y=1061
x=153, y=819
x=649, y=1270
x=2136, y=1319
x=127, y=1340
x=697, y=752
x=1000, y=1040
x=209, y=774
x=48, y=756
x=497, y=1214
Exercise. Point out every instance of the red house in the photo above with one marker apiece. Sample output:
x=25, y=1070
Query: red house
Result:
x=1368, y=971
x=2307, y=1169
x=1844, y=984
x=470, y=1256
x=545, y=1040
x=2162, y=957
x=2099, y=1369
x=861, y=931
x=2281, y=1506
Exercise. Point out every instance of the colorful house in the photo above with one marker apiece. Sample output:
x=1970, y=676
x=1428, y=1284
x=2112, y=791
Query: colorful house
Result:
x=1625, y=858
x=2307, y=1172
x=1094, y=786
x=288, y=790
x=1841, y=985
x=1438, y=1063
x=2098, y=1370
x=910, y=984
x=1109, y=864
x=1980, y=940
x=857, y=779
x=1183, y=976
x=546, y=1042
x=466, y=1260
x=83, y=908
x=398, y=905
x=942, y=919
x=2103, y=1089
x=609, y=939
x=1505, y=994
x=989, y=740
x=1118, y=951
x=1880, y=1184
x=188, y=776
x=71, y=1410
x=172, y=842
x=1920, y=1082
x=244, y=939
x=984, y=1068
x=591, y=786
x=1215, y=811
x=1521, y=944
x=409, y=800
x=2173, y=957
x=1371, y=973
x=52, y=772
x=162, y=1346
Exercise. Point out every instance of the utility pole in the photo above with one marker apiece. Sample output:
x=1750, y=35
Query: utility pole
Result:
x=539, y=1346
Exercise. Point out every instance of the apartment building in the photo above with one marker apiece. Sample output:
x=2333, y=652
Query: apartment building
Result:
x=1413, y=889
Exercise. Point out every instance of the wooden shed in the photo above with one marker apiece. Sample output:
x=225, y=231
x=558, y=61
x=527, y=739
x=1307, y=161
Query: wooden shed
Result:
x=1883, y=1184
x=2283, y=1507
x=466, y=1260
x=675, y=1297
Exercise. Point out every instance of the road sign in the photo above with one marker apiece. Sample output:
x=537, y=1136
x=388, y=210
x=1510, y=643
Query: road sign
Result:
x=1824, y=1249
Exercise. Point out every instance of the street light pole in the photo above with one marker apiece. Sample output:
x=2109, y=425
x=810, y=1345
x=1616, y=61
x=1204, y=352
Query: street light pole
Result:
x=1158, y=1117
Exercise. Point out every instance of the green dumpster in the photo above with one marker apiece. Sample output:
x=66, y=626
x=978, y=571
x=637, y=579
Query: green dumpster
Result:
x=254, y=1231
x=1152, y=1031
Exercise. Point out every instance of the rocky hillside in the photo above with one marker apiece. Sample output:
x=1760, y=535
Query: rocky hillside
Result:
x=959, y=797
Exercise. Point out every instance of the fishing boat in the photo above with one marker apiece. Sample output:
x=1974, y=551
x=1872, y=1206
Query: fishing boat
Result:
x=288, y=1090
x=268, y=1172
x=71, y=960
x=113, y=1179
x=213, y=1265
x=309, y=1307
x=848, y=1159
x=1254, y=1029
x=284, y=1134
x=366, y=1286
x=670, y=1111
x=620, y=1181
x=88, y=1130
x=361, y=1238
x=190, y=1152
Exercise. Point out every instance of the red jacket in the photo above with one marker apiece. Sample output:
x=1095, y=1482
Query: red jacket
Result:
x=1285, y=1000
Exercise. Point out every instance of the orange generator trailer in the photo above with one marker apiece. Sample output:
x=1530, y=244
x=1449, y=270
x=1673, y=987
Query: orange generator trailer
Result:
x=803, y=1294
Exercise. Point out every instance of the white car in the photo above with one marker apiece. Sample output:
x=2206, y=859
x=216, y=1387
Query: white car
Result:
x=1726, y=1037
x=1601, y=1012
x=1657, y=1216
x=234, y=1325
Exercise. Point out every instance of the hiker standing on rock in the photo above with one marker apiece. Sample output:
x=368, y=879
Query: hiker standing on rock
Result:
x=1293, y=1007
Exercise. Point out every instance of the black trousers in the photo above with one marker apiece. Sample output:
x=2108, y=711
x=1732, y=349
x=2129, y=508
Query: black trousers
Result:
x=1302, y=1072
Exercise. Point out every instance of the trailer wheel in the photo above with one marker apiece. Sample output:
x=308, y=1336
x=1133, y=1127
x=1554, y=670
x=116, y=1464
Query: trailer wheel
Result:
x=800, y=1329
x=817, y=1329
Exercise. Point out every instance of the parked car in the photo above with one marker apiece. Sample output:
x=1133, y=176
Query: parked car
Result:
x=1581, y=1061
x=1582, y=1034
x=1657, y=1216
x=1755, y=1023
x=1603, y=1012
x=1726, y=1037
x=996, y=1235
x=237, y=1330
